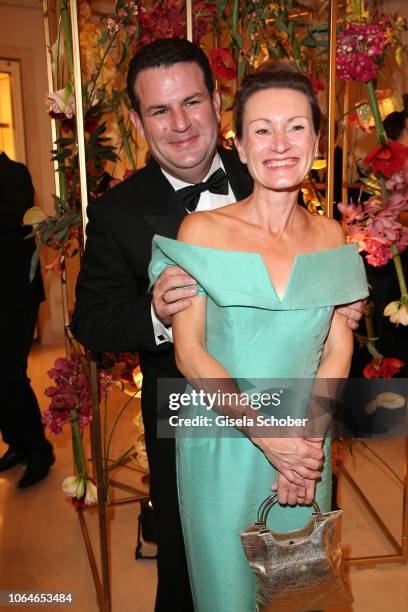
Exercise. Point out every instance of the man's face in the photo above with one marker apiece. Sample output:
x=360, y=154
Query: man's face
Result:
x=178, y=119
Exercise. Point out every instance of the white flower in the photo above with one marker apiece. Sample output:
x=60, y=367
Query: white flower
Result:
x=91, y=496
x=401, y=316
x=74, y=486
x=391, y=308
x=61, y=101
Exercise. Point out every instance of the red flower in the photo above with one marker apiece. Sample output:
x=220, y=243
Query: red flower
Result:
x=316, y=83
x=223, y=64
x=388, y=158
x=384, y=367
x=116, y=181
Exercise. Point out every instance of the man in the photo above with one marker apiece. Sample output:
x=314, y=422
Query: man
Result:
x=20, y=418
x=177, y=111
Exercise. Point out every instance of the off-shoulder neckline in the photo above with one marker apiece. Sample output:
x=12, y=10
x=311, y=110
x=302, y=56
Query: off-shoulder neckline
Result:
x=257, y=255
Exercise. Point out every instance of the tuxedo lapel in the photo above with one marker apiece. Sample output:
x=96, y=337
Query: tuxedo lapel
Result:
x=160, y=197
x=237, y=173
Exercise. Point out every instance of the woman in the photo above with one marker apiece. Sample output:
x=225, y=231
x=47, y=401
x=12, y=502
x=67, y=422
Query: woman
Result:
x=270, y=274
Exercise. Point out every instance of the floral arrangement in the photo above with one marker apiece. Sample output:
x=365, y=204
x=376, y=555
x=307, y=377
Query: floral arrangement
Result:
x=71, y=403
x=375, y=224
x=105, y=52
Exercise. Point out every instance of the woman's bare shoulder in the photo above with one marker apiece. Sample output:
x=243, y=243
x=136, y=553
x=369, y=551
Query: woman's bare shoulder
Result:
x=206, y=228
x=195, y=227
x=328, y=231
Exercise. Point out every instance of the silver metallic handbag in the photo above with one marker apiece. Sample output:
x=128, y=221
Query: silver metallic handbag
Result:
x=299, y=570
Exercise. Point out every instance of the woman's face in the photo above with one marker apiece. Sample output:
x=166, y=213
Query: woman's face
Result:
x=278, y=139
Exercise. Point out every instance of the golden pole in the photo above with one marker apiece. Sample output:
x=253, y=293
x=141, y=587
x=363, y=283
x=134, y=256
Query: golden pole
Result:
x=105, y=603
x=345, y=143
x=79, y=113
x=405, y=507
x=189, y=20
x=50, y=80
x=331, y=102
x=51, y=87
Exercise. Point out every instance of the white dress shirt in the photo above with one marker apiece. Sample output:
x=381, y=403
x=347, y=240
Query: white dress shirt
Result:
x=207, y=201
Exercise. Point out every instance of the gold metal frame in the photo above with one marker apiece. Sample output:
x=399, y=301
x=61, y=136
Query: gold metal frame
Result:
x=400, y=554
x=331, y=107
x=101, y=576
x=401, y=548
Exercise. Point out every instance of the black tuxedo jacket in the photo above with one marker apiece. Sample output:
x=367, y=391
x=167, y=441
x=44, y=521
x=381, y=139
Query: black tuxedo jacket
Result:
x=16, y=196
x=112, y=311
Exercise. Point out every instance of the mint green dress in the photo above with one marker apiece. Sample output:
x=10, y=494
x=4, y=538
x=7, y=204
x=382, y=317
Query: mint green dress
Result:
x=253, y=334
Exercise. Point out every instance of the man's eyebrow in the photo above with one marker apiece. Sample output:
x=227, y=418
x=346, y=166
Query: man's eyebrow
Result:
x=198, y=94
x=194, y=96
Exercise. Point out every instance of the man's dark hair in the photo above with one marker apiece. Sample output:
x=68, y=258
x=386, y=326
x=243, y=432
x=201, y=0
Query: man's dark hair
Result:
x=275, y=75
x=163, y=53
x=394, y=123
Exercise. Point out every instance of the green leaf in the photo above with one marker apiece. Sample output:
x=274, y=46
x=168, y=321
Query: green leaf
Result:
x=34, y=263
x=63, y=142
x=238, y=39
x=124, y=54
x=307, y=41
x=104, y=38
x=221, y=4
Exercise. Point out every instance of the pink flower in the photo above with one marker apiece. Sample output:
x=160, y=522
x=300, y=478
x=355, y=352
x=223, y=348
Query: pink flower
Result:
x=383, y=227
x=402, y=243
x=377, y=254
x=373, y=205
x=357, y=49
x=350, y=212
x=398, y=202
x=61, y=102
x=398, y=181
x=357, y=67
x=357, y=234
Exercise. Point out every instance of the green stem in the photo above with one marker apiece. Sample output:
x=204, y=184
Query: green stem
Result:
x=375, y=109
x=235, y=15
x=400, y=272
x=368, y=318
x=57, y=60
x=95, y=78
x=66, y=24
x=125, y=139
x=79, y=455
x=384, y=190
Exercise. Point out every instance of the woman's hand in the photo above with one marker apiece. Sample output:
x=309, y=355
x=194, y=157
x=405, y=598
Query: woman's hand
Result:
x=289, y=493
x=296, y=458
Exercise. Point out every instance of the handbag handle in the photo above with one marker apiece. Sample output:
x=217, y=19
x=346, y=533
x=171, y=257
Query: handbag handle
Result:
x=268, y=504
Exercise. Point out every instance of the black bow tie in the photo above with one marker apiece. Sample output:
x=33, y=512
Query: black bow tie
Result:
x=216, y=183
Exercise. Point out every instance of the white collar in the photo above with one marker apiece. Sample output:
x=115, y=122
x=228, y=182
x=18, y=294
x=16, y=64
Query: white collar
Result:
x=179, y=184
